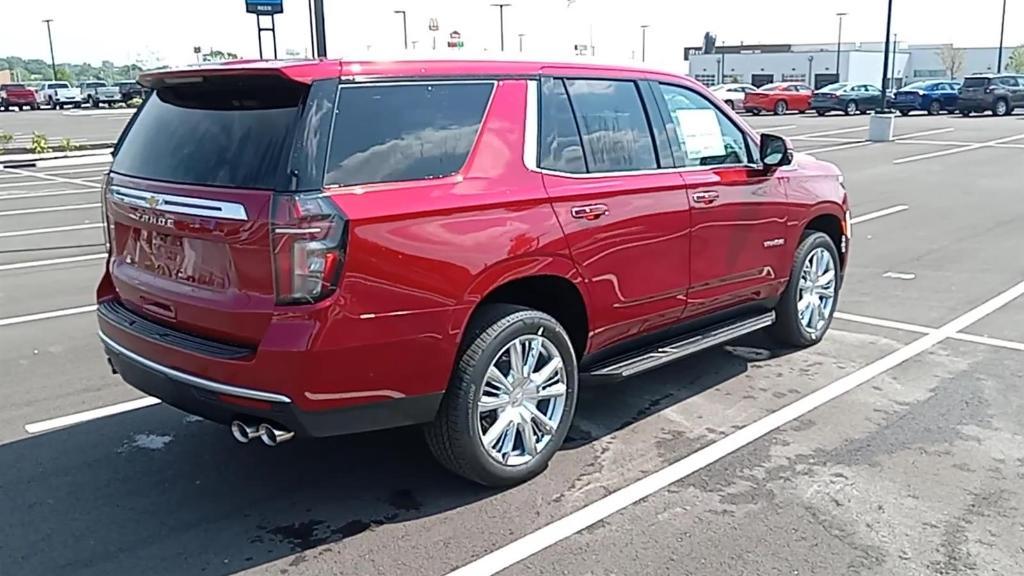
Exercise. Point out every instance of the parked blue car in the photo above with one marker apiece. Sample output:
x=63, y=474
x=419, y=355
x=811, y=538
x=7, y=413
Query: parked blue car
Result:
x=933, y=97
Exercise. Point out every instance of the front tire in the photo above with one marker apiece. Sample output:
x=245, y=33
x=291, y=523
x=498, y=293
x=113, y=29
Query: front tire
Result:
x=935, y=108
x=805, y=311
x=821, y=112
x=852, y=108
x=511, y=398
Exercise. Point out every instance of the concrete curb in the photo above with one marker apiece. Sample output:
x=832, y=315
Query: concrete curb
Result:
x=100, y=153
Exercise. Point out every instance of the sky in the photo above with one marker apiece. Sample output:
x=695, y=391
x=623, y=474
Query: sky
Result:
x=165, y=31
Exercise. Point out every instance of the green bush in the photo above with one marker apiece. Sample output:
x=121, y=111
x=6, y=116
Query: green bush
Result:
x=39, y=143
x=135, y=102
x=5, y=140
x=67, y=145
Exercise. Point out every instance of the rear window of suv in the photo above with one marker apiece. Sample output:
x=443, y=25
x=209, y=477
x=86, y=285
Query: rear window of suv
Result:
x=400, y=132
x=221, y=132
x=975, y=82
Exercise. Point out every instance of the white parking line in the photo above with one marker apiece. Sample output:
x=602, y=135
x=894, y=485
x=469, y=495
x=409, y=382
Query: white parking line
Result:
x=958, y=143
x=49, y=209
x=65, y=421
x=957, y=150
x=559, y=530
x=51, y=262
x=45, y=194
x=778, y=128
x=46, y=315
x=48, y=177
x=997, y=342
x=879, y=214
x=840, y=147
x=919, y=134
x=50, y=230
x=831, y=132
x=825, y=139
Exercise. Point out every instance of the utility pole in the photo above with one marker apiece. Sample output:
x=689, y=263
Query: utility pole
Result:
x=521, y=43
x=312, y=29
x=643, y=42
x=1002, y=32
x=839, y=45
x=885, y=61
x=405, y=29
x=895, y=52
x=49, y=35
x=501, y=22
x=321, y=35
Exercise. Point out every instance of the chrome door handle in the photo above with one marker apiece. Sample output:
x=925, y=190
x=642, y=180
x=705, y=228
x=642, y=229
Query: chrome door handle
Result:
x=705, y=197
x=589, y=212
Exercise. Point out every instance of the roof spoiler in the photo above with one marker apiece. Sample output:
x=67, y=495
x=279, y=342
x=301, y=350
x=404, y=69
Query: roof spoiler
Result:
x=304, y=71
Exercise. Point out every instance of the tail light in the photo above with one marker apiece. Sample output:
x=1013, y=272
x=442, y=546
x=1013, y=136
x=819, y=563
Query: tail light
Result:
x=107, y=229
x=307, y=238
x=990, y=90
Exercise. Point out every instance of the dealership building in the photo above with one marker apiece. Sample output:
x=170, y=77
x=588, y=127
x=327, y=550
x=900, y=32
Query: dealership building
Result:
x=816, y=64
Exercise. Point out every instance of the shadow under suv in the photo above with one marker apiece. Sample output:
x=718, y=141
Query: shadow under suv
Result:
x=320, y=248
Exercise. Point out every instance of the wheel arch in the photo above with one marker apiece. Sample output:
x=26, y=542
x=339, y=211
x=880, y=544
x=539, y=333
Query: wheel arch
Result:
x=828, y=222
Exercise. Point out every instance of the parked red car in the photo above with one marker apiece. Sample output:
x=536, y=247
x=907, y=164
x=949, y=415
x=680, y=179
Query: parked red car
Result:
x=17, y=96
x=779, y=98
x=319, y=248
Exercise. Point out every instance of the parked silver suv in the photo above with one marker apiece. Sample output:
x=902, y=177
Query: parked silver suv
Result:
x=999, y=93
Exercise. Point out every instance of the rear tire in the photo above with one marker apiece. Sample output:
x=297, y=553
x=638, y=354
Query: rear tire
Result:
x=904, y=112
x=756, y=111
x=780, y=108
x=456, y=436
x=935, y=108
x=965, y=113
x=821, y=112
x=1001, y=108
x=790, y=328
x=852, y=108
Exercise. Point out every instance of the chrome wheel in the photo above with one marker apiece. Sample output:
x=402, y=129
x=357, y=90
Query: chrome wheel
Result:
x=817, y=293
x=522, y=400
x=1001, y=108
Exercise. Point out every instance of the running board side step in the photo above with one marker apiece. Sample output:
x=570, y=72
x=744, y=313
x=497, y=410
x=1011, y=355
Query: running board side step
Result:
x=685, y=346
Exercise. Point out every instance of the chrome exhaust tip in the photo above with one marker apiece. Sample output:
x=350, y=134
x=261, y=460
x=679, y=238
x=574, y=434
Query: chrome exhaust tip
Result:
x=243, y=432
x=272, y=436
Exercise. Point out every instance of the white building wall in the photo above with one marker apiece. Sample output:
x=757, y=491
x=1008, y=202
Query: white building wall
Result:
x=926, y=64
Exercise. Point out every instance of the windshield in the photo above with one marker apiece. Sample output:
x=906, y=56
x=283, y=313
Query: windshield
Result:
x=923, y=86
x=60, y=85
x=838, y=87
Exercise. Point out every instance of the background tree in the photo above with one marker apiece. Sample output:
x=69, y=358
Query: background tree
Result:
x=218, y=56
x=953, y=60
x=1016, y=61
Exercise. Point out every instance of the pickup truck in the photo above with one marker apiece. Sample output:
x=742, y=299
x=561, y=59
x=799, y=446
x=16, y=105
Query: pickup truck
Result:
x=61, y=94
x=97, y=92
x=17, y=96
x=130, y=89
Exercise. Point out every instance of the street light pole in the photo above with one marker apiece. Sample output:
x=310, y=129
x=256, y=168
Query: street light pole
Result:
x=643, y=42
x=884, y=105
x=405, y=29
x=321, y=35
x=839, y=45
x=49, y=35
x=1002, y=32
x=501, y=22
x=521, y=43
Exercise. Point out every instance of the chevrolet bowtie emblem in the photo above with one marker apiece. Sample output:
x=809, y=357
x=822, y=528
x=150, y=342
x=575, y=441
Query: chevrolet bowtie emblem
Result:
x=153, y=201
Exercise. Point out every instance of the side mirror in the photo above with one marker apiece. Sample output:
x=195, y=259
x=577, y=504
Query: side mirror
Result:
x=776, y=151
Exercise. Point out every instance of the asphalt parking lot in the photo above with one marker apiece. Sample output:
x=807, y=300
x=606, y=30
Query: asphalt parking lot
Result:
x=82, y=126
x=894, y=447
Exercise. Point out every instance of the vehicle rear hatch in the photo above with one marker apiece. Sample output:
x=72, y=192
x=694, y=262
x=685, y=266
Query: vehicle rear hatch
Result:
x=974, y=87
x=188, y=202
x=908, y=96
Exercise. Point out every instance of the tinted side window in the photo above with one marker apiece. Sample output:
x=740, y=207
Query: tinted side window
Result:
x=391, y=133
x=1009, y=81
x=616, y=136
x=560, y=145
x=706, y=136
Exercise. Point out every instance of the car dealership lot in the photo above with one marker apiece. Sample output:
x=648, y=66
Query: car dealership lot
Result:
x=915, y=470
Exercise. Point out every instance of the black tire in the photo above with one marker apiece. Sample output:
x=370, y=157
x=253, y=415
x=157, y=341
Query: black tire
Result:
x=852, y=108
x=78, y=105
x=51, y=103
x=904, y=112
x=730, y=104
x=965, y=113
x=780, y=108
x=935, y=108
x=454, y=435
x=92, y=102
x=1001, y=108
x=821, y=112
x=788, y=329
x=756, y=111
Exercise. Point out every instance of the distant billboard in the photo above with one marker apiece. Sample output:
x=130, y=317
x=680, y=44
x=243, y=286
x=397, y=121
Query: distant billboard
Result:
x=264, y=6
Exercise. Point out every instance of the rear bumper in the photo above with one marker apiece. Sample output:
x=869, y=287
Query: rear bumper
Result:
x=830, y=105
x=20, y=100
x=975, y=104
x=223, y=403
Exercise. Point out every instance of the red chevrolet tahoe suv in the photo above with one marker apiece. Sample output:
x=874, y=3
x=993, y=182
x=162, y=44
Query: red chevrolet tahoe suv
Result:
x=320, y=248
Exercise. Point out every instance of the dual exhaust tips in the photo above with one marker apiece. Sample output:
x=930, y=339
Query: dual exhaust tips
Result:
x=270, y=435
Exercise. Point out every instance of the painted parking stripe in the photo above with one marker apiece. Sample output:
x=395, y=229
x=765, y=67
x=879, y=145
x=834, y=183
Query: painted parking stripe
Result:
x=960, y=143
x=50, y=230
x=46, y=194
x=996, y=342
x=49, y=209
x=840, y=147
x=51, y=262
x=925, y=133
x=51, y=178
x=96, y=169
x=47, y=315
x=567, y=526
x=832, y=132
x=880, y=213
x=71, y=420
x=958, y=150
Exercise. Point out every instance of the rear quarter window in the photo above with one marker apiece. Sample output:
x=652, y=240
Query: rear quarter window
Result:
x=975, y=82
x=230, y=133
x=401, y=132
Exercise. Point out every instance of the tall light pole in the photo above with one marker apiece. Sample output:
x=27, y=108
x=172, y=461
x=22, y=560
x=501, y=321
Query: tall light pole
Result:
x=312, y=29
x=810, y=71
x=321, y=34
x=884, y=105
x=521, y=42
x=643, y=42
x=839, y=45
x=49, y=35
x=405, y=29
x=895, y=53
x=501, y=22
x=1002, y=32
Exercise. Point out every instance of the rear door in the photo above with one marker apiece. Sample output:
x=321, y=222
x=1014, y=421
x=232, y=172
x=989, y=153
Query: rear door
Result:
x=1015, y=84
x=188, y=203
x=738, y=247
x=609, y=171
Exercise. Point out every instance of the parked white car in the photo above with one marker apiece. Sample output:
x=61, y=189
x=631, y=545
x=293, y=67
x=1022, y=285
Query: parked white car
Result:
x=98, y=92
x=60, y=94
x=732, y=94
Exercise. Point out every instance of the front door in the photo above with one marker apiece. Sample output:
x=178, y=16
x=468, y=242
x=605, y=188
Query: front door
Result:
x=620, y=200
x=738, y=248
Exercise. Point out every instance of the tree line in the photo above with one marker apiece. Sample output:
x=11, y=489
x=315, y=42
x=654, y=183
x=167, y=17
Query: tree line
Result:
x=34, y=69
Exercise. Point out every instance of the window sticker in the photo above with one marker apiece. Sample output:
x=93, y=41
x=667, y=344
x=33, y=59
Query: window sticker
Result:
x=700, y=133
